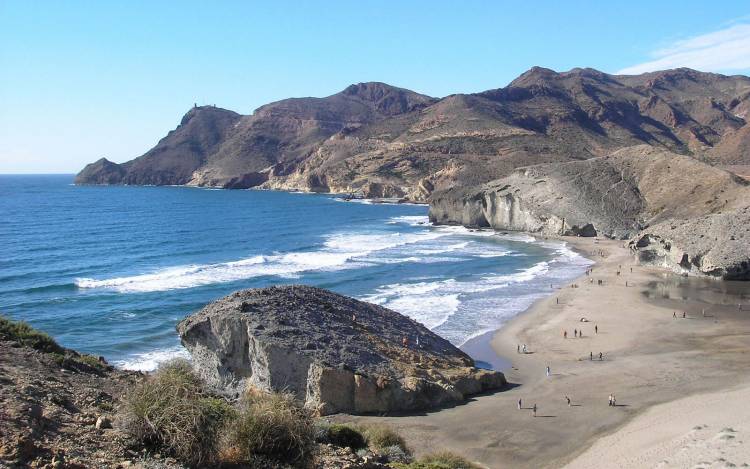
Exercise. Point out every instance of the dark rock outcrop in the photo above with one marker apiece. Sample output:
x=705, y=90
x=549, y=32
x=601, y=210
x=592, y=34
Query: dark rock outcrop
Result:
x=373, y=133
x=102, y=172
x=336, y=354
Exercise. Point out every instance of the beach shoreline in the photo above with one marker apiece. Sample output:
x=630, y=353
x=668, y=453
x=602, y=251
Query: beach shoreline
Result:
x=651, y=356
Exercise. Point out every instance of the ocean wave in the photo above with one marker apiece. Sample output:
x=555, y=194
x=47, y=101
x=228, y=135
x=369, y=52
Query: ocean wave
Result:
x=150, y=361
x=356, y=201
x=437, y=303
x=427, y=251
x=412, y=220
x=422, y=301
x=339, y=251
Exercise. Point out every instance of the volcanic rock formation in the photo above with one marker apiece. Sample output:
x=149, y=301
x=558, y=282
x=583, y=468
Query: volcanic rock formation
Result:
x=336, y=354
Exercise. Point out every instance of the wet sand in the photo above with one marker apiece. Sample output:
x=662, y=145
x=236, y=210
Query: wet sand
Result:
x=649, y=358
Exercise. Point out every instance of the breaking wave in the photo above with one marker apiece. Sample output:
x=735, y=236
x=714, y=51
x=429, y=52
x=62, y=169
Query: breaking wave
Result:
x=339, y=251
x=150, y=361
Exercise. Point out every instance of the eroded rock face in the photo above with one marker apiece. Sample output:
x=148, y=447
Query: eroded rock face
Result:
x=679, y=213
x=716, y=245
x=336, y=354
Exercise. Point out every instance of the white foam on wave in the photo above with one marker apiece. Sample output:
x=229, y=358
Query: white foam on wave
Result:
x=340, y=251
x=412, y=220
x=433, y=303
x=422, y=301
x=441, y=249
x=462, y=309
x=462, y=230
x=150, y=361
x=356, y=201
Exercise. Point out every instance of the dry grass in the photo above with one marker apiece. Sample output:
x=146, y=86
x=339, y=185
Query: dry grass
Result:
x=171, y=410
x=345, y=436
x=442, y=460
x=380, y=437
x=271, y=425
x=22, y=333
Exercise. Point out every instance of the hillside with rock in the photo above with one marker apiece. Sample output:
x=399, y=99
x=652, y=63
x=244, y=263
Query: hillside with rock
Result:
x=681, y=213
x=383, y=141
x=336, y=354
x=57, y=406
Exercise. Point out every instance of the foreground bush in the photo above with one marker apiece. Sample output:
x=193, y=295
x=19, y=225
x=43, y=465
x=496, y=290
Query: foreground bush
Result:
x=345, y=436
x=22, y=333
x=172, y=410
x=271, y=425
x=443, y=460
x=381, y=437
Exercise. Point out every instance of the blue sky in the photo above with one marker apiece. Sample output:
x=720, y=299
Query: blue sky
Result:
x=81, y=80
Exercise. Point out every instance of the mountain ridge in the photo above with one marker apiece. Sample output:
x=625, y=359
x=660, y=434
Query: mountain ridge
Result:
x=383, y=141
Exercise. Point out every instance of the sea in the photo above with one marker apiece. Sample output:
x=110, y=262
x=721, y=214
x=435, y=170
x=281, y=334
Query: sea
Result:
x=110, y=270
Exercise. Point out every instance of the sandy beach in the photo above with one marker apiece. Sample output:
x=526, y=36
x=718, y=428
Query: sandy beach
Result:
x=668, y=374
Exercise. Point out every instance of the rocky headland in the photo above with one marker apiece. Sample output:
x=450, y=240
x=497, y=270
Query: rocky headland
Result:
x=336, y=354
x=580, y=153
x=378, y=140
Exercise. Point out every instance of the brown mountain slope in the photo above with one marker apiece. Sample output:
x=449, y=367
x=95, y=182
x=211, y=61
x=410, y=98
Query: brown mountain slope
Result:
x=386, y=141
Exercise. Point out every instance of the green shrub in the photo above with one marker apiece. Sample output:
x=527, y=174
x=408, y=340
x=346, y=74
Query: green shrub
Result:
x=380, y=437
x=22, y=333
x=91, y=361
x=442, y=460
x=271, y=425
x=171, y=410
x=346, y=436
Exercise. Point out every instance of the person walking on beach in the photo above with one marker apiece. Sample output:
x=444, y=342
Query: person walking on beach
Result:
x=518, y=348
x=591, y=356
x=610, y=400
x=575, y=332
x=596, y=329
x=533, y=410
x=520, y=404
x=600, y=356
x=683, y=315
x=548, y=371
x=567, y=399
x=674, y=314
x=565, y=334
x=524, y=348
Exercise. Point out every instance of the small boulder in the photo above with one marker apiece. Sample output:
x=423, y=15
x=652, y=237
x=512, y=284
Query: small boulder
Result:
x=103, y=422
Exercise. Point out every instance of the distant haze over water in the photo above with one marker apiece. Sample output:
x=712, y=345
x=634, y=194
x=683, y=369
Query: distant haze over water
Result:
x=110, y=270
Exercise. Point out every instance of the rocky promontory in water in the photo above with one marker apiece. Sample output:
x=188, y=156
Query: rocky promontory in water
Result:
x=336, y=354
x=676, y=211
